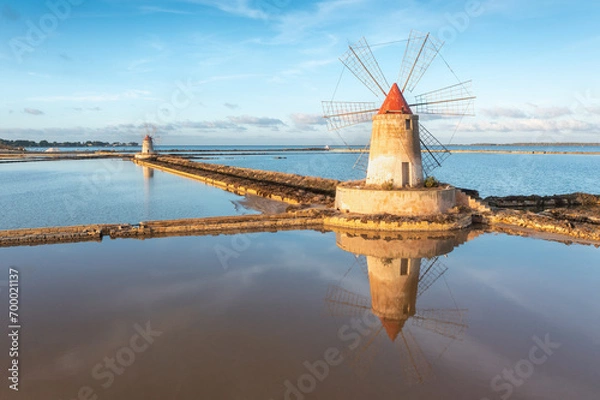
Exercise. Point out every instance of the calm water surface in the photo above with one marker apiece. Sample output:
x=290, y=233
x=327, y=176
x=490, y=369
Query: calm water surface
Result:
x=491, y=174
x=58, y=193
x=111, y=191
x=257, y=316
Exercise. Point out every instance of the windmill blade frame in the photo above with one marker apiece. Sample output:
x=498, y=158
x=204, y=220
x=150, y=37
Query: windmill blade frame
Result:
x=360, y=61
x=415, y=365
x=343, y=302
x=362, y=162
x=456, y=99
x=421, y=49
x=435, y=152
x=341, y=114
x=448, y=322
x=433, y=270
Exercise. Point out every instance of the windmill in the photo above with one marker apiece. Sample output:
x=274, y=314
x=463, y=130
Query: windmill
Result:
x=401, y=149
x=148, y=152
x=399, y=272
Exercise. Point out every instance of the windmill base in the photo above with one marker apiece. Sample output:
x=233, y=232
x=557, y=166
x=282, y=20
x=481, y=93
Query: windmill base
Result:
x=145, y=157
x=410, y=202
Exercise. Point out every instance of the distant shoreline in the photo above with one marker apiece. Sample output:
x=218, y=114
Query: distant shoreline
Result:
x=565, y=144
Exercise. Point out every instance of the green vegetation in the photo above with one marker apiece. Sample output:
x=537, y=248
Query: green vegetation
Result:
x=430, y=182
x=389, y=185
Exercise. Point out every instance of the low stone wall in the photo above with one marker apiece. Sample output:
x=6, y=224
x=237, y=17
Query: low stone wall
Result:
x=217, y=225
x=543, y=202
x=308, y=219
x=384, y=222
x=61, y=234
x=545, y=223
x=363, y=200
x=290, y=188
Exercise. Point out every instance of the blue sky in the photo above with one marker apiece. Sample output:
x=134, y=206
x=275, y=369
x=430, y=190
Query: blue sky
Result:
x=255, y=72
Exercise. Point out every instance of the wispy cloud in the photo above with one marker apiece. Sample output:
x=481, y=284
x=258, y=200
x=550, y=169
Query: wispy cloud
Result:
x=550, y=112
x=503, y=112
x=154, y=10
x=38, y=75
x=240, y=8
x=130, y=131
x=98, y=97
x=33, y=111
x=532, y=111
x=80, y=109
x=256, y=121
x=532, y=125
x=232, y=106
x=307, y=120
x=65, y=57
x=137, y=66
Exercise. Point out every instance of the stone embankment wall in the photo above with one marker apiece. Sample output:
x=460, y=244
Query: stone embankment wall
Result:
x=306, y=219
x=586, y=229
x=290, y=188
x=57, y=234
x=543, y=202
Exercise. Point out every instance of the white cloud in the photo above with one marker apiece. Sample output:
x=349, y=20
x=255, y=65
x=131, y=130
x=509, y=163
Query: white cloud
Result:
x=550, y=112
x=303, y=120
x=503, y=112
x=33, y=111
x=257, y=121
x=532, y=125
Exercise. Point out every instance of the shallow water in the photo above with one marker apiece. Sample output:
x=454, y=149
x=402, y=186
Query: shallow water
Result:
x=110, y=191
x=56, y=193
x=491, y=174
x=237, y=317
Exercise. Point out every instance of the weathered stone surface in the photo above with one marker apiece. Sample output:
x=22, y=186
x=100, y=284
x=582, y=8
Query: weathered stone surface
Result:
x=543, y=202
x=291, y=188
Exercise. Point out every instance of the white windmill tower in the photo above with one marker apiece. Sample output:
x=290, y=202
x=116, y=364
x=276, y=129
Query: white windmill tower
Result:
x=401, y=149
x=148, y=152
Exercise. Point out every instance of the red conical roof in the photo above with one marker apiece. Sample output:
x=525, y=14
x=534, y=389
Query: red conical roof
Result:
x=395, y=102
x=392, y=327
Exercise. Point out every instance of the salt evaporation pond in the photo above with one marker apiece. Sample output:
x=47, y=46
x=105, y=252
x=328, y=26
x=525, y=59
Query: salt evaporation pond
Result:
x=58, y=193
x=255, y=316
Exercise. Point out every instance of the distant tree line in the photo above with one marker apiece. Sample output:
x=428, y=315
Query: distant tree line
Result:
x=45, y=143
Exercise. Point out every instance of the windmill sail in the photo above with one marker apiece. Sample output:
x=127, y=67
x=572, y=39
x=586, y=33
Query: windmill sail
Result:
x=434, y=153
x=452, y=100
x=414, y=365
x=420, y=51
x=360, y=61
x=362, y=162
x=340, y=114
x=342, y=302
x=432, y=272
x=446, y=322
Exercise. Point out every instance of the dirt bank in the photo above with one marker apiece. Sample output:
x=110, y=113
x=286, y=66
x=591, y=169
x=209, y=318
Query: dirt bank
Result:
x=542, y=202
x=291, y=188
x=306, y=219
